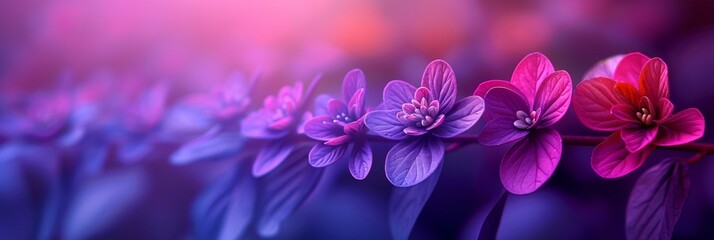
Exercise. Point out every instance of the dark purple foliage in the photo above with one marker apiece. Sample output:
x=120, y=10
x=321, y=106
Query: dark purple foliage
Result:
x=657, y=200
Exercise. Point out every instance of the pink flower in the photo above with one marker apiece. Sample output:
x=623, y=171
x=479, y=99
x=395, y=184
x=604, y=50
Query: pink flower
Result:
x=633, y=101
x=521, y=111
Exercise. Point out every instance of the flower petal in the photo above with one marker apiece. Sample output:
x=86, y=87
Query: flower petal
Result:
x=503, y=102
x=271, y=156
x=356, y=103
x=629, y=92
x=625, y=112
x=339, y=140
x=439, y=78
x=530, y=73
x=410, y=162
x=604, y=68
x=637, y=139
x=385, y=124
x=611, y=159
x=212, y=145
x=354, y=80
x=484, y=87
x=322, y=155
x=553, y=97
x=256, y=125
x=664, y=109
x=654, y=80
x=360, y=160
x=629, y=68
x=531, y=161
x=592, y=102
x=322, y=128
x=336, y=107
x=465, y=113
x=396, y=93
x=500, y=131
x=682, y=127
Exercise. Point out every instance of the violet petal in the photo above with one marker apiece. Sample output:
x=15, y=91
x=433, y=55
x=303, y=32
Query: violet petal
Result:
x=439, y=78
x=410, y=162
x=271, y=156
x=465, y=113
x=531, y=161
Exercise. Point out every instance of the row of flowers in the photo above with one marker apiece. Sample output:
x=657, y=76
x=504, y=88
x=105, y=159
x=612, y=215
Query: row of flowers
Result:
x=627, y=95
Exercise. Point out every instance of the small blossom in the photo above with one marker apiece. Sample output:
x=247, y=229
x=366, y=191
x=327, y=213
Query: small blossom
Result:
x=282, y=115
x=342, y=129
x=522, y=110
x=420, y=118
x=633, y=101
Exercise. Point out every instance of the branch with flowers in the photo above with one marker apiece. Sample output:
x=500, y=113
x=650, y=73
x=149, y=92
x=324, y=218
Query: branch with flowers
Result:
x=284, y=147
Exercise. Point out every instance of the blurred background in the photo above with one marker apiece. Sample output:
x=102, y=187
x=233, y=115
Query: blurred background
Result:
x=126, y=47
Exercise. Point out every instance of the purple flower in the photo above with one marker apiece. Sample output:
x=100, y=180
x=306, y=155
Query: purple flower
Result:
x=419, y=118
x=277, y=121
x=522, y=110
x=342, y=129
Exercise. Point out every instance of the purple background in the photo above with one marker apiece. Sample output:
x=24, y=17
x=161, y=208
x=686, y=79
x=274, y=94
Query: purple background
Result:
x=194, y=46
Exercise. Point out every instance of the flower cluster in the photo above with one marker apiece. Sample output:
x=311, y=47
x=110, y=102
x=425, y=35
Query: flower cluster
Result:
x=297, y=135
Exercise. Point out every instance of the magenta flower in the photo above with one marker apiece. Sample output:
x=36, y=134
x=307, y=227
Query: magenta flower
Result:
x=634, y=102
x=276, y=121
x=420, y=118
x=522, y=110
x=342, y=129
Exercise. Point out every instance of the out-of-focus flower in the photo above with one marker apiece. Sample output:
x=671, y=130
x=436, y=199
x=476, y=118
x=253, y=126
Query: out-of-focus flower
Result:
x=282, y=115
x=420, y=118
x=635, y=104
x=141, y=122
x=343, y=129
x=522, y=110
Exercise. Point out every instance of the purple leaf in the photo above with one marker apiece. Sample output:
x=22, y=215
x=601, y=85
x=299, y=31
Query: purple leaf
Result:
x=489, y=229
x=271, y=156
x=553, y=97
x=360, y=160
x=386, y=124
x=439, y=78
x=225, y=207
x=212, y=145
x=354, y=80
x=657, y=200
x=284, y=190
x=396, y=93
x=500, y=131
x=405, y=204
x=465, y=113
x=323, y=155
x=531, y=161
x=100, y=203
x=411, y=161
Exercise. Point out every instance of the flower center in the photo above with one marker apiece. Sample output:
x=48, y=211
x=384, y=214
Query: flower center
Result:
x=342, y=119
x=525, y=120
x=645, y=117
x=421, y=114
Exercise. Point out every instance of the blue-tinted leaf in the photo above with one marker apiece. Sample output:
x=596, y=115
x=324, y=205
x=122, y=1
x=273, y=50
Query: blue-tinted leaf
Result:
x=405, y=205
x=271, y=156
x=656, y=201
x=102, y=202
x=489, y=229
x=210, y=146
x=284, y=189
